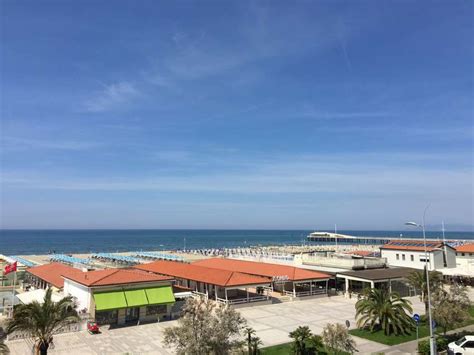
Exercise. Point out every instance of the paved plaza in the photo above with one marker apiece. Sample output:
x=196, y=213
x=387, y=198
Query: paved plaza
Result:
x=271, y=322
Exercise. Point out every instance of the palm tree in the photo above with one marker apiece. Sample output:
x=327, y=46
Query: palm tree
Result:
x=417, y=280
x=41, y=321
x=256, y=342
x=300, y=335
x=380, y=309
x=3, y=346
x=249, y=333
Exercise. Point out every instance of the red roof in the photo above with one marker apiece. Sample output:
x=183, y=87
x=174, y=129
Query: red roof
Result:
x=223, y=278
x=466, y=248
x=262, y=269
x=413, y=245
x=51, y=273
x=110, y=277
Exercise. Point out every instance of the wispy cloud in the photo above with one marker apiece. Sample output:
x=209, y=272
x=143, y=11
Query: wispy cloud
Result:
x=353, y=174
x=16, y=143
x=309, y=111
x=112, y=96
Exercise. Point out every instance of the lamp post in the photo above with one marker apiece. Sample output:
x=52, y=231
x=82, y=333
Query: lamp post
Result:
x=428, y=292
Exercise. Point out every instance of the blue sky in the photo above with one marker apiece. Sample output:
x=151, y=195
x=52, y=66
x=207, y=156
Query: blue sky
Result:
x=236, y=114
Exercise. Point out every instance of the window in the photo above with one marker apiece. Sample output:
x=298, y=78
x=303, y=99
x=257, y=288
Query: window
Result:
x=157, y=309
x=398, y=256
x=403, y=257
x=469, y=344
x=462, y=254
x=412, y=257
x=106, y=317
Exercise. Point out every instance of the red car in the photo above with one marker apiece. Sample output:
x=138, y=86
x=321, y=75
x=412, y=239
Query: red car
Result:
x=92, y=327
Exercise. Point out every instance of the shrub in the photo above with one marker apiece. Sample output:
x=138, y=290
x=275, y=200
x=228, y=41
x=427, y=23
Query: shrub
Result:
x=424, y=345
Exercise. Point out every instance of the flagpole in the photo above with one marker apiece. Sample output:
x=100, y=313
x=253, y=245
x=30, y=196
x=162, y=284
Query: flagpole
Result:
x=13, y=290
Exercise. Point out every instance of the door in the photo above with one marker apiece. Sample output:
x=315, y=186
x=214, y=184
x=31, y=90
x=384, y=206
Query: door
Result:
x=132, y=314
x=468, y=347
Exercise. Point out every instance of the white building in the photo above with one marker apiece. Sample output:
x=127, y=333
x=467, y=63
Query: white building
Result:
x=465, y=258
x=411, y=253
x=119, y=296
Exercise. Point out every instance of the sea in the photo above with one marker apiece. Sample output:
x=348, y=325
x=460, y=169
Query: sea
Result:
x=29, y=242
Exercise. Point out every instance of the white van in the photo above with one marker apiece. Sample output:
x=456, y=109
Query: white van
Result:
x=465, y=345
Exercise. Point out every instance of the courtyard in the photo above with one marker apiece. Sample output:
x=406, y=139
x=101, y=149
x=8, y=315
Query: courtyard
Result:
x=271, y=322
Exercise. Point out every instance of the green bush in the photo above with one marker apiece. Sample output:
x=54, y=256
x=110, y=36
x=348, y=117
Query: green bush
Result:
x=424, y=345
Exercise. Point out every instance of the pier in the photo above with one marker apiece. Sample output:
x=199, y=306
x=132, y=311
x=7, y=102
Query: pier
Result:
x=333, y=238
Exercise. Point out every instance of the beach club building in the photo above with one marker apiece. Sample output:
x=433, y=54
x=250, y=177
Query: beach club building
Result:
x=289, y=280
x=393, y=279
x=411, y=254
x=121, y=296
x=49, y=275
x=224, y=286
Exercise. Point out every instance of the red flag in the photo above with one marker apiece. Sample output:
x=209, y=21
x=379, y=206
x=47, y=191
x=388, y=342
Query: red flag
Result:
x=10, y=268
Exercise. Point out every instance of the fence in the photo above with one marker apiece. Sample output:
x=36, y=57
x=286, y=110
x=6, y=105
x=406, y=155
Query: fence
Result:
x=305, y=293
x=242, y=300
x=343, y=263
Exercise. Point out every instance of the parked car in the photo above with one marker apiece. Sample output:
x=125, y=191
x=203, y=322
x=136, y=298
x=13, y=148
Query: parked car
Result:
x=465, y=345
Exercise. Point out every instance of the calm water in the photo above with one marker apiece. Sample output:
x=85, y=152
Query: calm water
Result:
x=83, y=241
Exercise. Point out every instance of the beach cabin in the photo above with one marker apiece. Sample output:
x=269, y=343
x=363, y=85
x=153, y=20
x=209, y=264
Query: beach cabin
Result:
x=290, y=280
x=121, y=296
x=224, y=286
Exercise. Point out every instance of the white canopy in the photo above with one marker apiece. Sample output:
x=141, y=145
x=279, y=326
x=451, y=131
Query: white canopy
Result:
x=457, y=271
x=36, y=295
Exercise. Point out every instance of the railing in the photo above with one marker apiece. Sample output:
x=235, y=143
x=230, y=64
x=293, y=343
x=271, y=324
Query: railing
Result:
x=75, y=327
x=199, y=294
x=318, y=291
x=242, y=300
x=344, y=263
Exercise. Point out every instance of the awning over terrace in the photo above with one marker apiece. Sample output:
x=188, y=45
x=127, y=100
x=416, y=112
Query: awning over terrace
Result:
x=109, y=300
x=160, y=295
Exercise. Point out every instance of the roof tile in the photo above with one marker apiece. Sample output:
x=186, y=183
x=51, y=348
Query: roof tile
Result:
x=223, y=278
x=51, y=273
x=262, y=269
x=466, y=248
x=115, y=277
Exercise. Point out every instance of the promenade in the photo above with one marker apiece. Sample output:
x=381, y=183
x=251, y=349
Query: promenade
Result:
x=271, y=322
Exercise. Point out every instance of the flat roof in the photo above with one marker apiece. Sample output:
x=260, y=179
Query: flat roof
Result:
x=414, y=245
x=194, y=272
x=379, y=274
x=263, y=269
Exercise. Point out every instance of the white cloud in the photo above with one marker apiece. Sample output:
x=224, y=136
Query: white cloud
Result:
x=112, y=96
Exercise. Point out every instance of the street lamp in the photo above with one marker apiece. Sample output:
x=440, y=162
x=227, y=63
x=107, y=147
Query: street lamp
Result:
x=430, y=319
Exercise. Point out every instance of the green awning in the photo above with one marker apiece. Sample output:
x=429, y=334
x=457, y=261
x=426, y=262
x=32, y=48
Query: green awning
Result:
x=160, y=295
x=109, y=300
x=136, y=298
